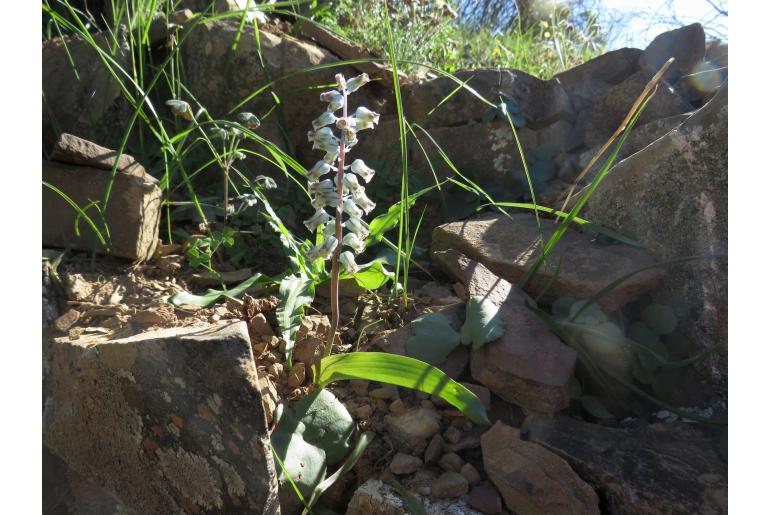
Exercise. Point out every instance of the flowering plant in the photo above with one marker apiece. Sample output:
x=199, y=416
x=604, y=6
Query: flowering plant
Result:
x=343, y=193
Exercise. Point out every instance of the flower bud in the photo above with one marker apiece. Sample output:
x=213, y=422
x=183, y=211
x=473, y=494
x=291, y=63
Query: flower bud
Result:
x=249, y=120
x=359, y=168
x=180, y=108
x=340, y=80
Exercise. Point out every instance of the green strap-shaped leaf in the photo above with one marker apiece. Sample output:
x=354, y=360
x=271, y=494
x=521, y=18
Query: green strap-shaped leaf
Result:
x=402, y=371
x=213, y=296
x=483, y=322
x=294, y=294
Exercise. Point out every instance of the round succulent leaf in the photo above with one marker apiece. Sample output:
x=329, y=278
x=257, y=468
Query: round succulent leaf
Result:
x=483, y=322
x=650, y=362
x=641, y=334
x=595, y=407
x=304, y=462
x=593, y=314
x=660, y=318
x=678, y=345
x=561, y=306
x=328, y=425
x=432, y=340
x=641, y=374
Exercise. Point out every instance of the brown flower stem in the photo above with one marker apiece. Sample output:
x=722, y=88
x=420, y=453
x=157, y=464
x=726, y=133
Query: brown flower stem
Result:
x=335, y=279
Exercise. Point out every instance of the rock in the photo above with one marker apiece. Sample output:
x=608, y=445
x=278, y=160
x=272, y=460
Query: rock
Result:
x=163, y=422
x=470, y=473
x=449, y=485
x=687, y=45
x=386, y=392
x=78, y=151
x=133, y=212
x=491, y=168
x=66, y=320
x=434, y=449
x=662, y=468
x=411, y=430
x=259, y=327
x=452, y=435
x=528, y=365
x=611, y=68
x=268, y=393
x=505, y=246
x=311, y=339
x=404, y=464
x=605, y=116
x=397, y=407
x=296, y=375
x=364, y=411
x=51, y=301
x=91, y=105
x=347, y=50
x=451, y=462
x=485, y=499
x=377, y=498
x=531, y=479
x=683, y=172
x=180, y=17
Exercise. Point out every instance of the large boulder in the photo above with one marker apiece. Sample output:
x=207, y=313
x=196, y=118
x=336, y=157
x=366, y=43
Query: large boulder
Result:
x=531, y=479
x=508, y=245
x=162, y=422
x=132, y=213
x=687, y=45
x=528, y=365
x=91, y=104
x=672, y=196
x=660, y=469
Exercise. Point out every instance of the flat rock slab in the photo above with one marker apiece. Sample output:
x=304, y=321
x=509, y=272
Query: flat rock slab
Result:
x=508, y=246
x=169, y=421
x=528, y=365
x=133, y=211
x=78, y=151
x=659, y=469
x=532, y=479
x=377, y=498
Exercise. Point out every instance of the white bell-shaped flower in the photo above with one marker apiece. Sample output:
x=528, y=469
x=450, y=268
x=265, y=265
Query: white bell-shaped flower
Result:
x=357, y=226
x=330, y=228
x=324, y=199
x=353, y=84
x=331, y=157
x=320, y=217
x=350, y=182
x=319, y=169
x=354, y=242
x=359, y=168
x=364, y=202
x=348, y=262
x=351, y=209
x=325, y=119
x=249, y=120
x=324, y=250
x=363, y=113
x=180, y=108
x=325, y=186
x=334, y=98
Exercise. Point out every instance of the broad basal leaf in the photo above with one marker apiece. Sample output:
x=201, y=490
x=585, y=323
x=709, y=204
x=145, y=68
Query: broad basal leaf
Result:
x=483, y=322
x=402, y=371
x=433, y=338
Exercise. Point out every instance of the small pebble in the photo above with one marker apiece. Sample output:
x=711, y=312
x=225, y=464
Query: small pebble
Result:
x=359, y=386
x=384, y=392
x=449, y=485
x=470, y=473
x=453, y=435
x=405, y=464
x=434, y=449
x=275, y=369
x=486, y=499
x=296, y=375
x=364, y=411
x=397, y=407
x=427, y=405
x=451, y=461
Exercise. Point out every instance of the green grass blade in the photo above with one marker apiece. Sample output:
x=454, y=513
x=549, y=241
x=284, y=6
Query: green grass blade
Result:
x=294, y=294
x=81, y=213
x=213, y=296
x=402, y=371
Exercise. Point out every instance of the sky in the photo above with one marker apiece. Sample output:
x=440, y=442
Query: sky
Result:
x=637, y=22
